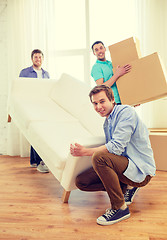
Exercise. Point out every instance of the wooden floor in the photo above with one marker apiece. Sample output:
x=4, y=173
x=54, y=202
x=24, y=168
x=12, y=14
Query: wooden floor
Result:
x=31, y=208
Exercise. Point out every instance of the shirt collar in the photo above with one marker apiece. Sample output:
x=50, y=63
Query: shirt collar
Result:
x=103, y=62
x=32, y=69
x=110, y=116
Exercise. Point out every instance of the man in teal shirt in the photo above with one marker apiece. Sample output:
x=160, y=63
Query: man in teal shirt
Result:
x=102, y=70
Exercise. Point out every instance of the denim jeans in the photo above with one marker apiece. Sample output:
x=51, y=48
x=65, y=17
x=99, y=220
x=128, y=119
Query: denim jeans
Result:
x=34, y=157
x=107, y=175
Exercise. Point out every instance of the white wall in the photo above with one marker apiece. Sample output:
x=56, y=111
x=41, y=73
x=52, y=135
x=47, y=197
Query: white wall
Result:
x=152, y=33
x=158, y=109
x=3, y=73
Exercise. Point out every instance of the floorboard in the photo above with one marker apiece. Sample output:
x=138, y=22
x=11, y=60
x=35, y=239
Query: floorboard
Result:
x=31, y=208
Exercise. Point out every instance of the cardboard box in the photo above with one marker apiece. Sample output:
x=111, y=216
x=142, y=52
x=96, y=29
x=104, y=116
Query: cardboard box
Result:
x=124, y=52
x=159, y=145
x=147, y=79
x=159, y=130
x=145, y=82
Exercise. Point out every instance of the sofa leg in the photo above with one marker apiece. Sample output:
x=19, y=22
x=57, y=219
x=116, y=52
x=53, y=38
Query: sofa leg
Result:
x=66, y=195
x=9, y=118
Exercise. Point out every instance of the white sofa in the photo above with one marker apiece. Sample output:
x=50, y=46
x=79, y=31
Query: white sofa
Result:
x=51, y=114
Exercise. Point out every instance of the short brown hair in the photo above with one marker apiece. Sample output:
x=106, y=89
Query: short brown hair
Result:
x=36, y=51
x=99, y=88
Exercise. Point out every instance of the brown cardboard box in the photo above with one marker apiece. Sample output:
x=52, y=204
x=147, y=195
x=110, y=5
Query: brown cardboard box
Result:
x=145, y=82
x=159, y=145
x=159, y=130
x=124, y=52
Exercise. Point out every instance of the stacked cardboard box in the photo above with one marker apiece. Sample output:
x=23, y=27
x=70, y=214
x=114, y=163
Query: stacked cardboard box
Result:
x=158, y=139
x=146, y=81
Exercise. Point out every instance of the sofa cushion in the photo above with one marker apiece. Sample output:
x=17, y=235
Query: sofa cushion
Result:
x=41, y=109
x=73, y=96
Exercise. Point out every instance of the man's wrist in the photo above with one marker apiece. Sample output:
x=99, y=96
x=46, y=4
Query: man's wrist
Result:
x=116, y=75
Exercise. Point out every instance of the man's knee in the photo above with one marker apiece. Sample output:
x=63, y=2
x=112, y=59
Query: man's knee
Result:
x=98, y=157
x=103, y=159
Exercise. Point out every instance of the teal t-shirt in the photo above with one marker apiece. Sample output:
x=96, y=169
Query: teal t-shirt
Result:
x=105, y=70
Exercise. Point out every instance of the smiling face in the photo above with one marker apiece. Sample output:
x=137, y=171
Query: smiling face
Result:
x=37, y=60
x=102, y=104
x=99, y=51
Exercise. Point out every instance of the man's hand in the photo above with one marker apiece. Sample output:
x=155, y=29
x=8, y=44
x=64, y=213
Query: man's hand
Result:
x=77, y=150
x=120, y=71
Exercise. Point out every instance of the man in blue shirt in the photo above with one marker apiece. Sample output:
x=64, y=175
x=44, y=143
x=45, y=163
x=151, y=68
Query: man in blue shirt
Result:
x=36, y=71
x=124, y=163
x=102, y=70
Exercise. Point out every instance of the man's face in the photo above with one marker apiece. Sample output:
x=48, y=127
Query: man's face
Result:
x=37, y=60
x=102, y=104
x=99, y=51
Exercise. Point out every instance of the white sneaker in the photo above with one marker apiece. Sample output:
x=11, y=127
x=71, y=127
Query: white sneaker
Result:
x=42, y=167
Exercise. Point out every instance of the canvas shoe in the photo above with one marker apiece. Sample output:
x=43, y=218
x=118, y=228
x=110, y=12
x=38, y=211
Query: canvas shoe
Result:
x=113, y=216
x=42, y=167
x=129, y=195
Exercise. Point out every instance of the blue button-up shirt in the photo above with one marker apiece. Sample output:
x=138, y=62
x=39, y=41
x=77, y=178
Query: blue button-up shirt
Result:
x=128, y=136
x=104, y=69
x=30, y=73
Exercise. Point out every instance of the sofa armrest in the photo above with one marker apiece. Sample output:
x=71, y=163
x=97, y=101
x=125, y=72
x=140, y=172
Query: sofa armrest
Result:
x=76, y=165
x=26, y=87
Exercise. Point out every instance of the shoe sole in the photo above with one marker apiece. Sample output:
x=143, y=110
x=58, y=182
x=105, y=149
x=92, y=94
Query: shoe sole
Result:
x=112, y=222
x=42, y=171
x=33, y=166
x=128, y=203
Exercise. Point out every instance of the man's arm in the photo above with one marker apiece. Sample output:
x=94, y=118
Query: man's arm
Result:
x=120, y=71
x=79, y=150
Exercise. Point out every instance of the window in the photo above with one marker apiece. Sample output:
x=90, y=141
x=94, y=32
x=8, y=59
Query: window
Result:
x=110, y=22
x=77, y=24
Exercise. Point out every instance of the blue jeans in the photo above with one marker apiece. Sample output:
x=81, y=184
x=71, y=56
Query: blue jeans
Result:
x=34, y=157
